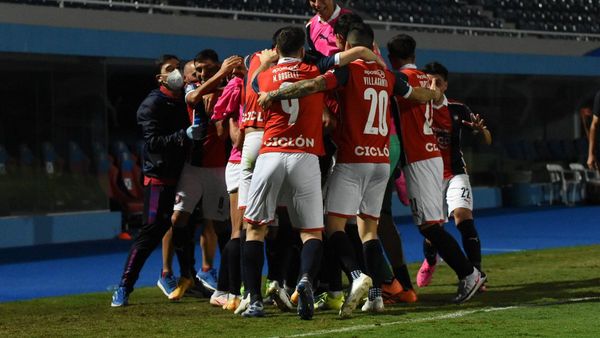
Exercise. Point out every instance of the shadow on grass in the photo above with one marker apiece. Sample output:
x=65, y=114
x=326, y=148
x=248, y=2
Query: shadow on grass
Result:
x=505, y=295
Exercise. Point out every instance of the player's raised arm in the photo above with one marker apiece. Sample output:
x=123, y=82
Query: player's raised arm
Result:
x=359, y=52
x=194, y=97
x=267, y=57
x=478, y=124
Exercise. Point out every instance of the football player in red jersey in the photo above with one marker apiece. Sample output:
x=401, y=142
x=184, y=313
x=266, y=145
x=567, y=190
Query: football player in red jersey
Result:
x=449, y=120
x=287, y=167
x=359, y=178
x=423, y=168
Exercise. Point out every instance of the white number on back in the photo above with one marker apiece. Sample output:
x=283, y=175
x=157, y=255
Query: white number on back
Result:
x=378, y=111
x=290, y=106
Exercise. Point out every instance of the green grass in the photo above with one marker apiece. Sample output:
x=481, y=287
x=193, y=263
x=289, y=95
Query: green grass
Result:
x=538, y=284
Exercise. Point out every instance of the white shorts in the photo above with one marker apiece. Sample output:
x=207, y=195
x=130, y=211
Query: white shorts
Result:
x=252, y=144
x=293, y=178
x=206, y=184
x=233, y=173
x=357, y=189
x=458, y=194
x=424, y=183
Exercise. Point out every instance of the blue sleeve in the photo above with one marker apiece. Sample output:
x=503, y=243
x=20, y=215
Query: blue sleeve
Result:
x=326, y=63
x=255, y=86
x=401, y=86
x=342, y=75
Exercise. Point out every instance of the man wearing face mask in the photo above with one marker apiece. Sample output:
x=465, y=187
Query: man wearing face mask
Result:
x=167, y=135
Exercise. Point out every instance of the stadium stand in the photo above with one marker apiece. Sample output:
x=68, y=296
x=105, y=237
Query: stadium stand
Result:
x=556, y=16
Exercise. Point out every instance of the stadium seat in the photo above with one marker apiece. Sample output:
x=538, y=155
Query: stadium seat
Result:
x=52, y=163
x=584, y=176
x=78, y=161
x=559, y=179
x=110, y=182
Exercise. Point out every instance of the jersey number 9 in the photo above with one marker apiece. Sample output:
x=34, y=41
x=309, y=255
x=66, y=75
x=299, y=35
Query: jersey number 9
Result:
x=291, y=106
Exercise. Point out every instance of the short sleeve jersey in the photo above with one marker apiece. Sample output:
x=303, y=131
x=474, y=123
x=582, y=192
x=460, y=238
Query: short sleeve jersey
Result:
x=293, y=125
x=447, y=126
x=416, y=119
x=253, y=115
x=320, y=33
x=363, y=131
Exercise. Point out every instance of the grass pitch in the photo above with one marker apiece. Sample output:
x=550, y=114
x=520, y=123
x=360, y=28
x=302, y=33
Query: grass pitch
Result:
x=532, y=293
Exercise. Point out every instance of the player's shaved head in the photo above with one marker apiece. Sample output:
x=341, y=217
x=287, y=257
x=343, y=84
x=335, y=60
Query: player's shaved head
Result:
x=402, y=47
x=360, y=34
x=342, y=25
x=290, y=40
x=436, y=68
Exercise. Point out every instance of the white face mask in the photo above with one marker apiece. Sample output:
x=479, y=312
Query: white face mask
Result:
x=174, y=80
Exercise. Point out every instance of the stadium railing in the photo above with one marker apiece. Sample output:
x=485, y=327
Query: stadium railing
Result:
x=152, y=7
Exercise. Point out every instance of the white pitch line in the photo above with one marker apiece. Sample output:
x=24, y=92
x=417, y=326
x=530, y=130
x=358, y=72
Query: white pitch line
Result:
x=452, y=315
x=501, y=249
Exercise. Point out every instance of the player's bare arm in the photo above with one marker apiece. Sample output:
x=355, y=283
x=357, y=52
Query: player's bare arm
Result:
x=295, y=90
x=478, y=124
x=591, y=161
x=424, y=94
x=362, y=53
x=227, y=67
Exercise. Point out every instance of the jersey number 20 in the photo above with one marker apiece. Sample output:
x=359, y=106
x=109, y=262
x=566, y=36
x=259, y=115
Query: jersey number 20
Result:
x=377, y=112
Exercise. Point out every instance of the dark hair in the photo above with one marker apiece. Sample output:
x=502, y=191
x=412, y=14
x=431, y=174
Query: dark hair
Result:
x=290, y=40
x=274, y=37
x=361, y=34
x=159, y=63
x=342, y=25
x=436, y=68
x=207, y=54
x=402, y=47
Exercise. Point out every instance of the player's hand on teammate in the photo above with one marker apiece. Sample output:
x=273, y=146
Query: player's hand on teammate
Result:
x=329, y=121
x=381, y=62
x=268, y=56
x=264, y=100
x=476, y=123
x=231, y=63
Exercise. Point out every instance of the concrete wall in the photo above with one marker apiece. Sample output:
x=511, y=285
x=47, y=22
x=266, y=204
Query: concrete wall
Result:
x=58, y=228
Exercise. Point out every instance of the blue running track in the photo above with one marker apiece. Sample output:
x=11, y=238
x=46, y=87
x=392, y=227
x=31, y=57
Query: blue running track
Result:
x=57, y=270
